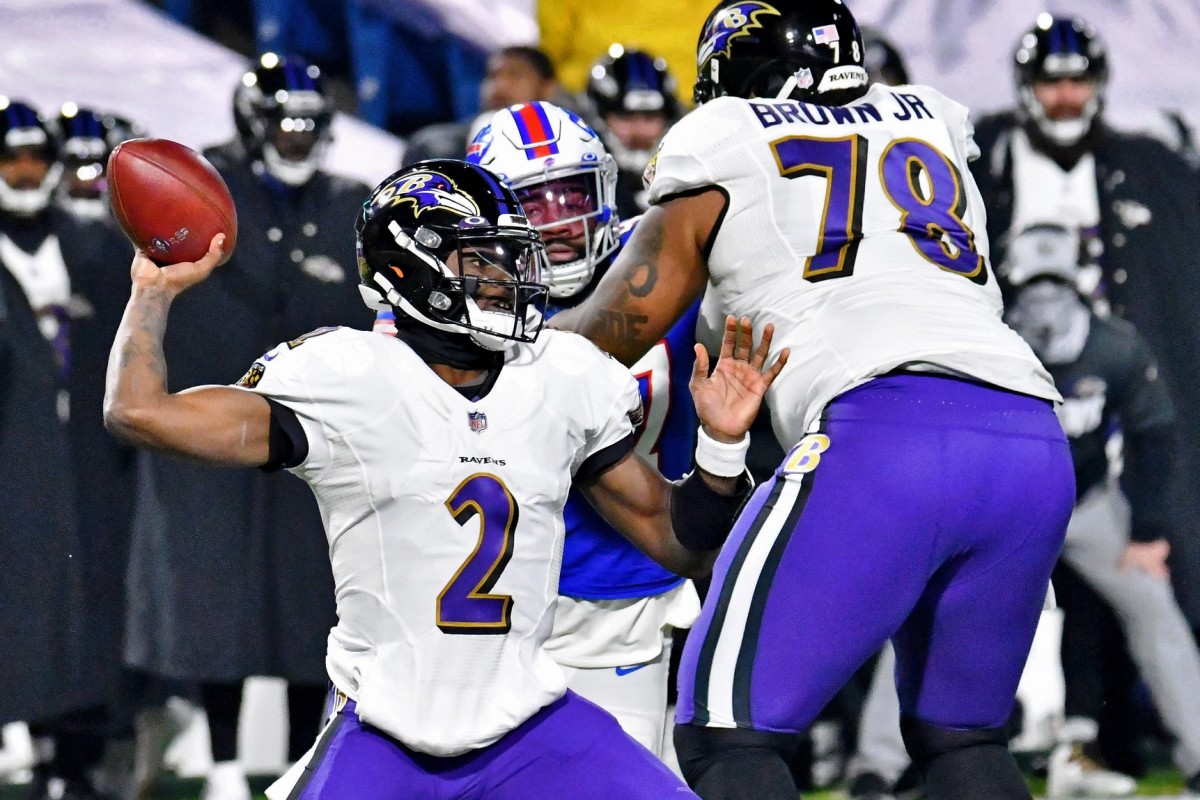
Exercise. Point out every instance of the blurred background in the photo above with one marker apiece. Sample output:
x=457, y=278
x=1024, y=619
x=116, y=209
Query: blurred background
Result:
x=410, y=79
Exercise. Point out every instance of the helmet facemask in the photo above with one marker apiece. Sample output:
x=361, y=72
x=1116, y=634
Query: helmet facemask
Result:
x=571, y=207
x=284, y=118
x=477, y=279
x=83, y=189
x=1062, y=132
x=295, y=134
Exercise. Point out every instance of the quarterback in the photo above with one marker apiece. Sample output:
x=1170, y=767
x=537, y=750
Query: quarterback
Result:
x=928, y=484
x=441, y=460
x=616, y=607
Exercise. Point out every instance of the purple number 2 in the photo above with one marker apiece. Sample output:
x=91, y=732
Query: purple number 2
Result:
x=465, y=605
x=917, y=178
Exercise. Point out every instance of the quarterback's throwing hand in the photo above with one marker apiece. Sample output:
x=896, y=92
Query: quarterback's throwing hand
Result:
x=174, y=278
x=727, y=401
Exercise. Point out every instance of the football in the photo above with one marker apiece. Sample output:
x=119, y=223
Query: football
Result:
x=169, y=200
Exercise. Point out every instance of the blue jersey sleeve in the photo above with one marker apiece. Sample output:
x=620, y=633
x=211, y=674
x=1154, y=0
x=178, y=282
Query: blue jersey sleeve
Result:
x=598, y=562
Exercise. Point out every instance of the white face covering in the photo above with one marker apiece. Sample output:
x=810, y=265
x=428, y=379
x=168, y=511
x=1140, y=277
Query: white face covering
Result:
x=1063, y=132
x=30, y=202
x=1052, y=318
x=628, y=159
x=293, y=173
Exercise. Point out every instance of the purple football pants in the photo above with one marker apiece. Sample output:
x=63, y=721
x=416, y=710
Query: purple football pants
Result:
x=570, y=748
x=927, y=510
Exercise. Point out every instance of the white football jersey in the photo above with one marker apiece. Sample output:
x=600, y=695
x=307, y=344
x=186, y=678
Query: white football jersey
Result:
x=444, y=518
x=859, y=232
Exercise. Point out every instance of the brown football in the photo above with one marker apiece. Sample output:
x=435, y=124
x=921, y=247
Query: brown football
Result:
x=169, y=200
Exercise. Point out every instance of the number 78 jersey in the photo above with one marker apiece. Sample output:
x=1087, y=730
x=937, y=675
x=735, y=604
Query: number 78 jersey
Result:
x=859, y=232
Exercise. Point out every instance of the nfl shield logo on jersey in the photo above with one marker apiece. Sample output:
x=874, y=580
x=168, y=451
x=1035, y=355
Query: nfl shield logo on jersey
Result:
x=478, y=421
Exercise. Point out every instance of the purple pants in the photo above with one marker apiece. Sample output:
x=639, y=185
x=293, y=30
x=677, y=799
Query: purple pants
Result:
x=570, y=748
x=927, y=510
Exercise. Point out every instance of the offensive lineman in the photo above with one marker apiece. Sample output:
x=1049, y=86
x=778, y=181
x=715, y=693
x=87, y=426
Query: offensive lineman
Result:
x=928, y=486
x=441, y=461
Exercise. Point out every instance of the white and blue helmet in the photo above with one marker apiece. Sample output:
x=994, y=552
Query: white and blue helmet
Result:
x=566, y=182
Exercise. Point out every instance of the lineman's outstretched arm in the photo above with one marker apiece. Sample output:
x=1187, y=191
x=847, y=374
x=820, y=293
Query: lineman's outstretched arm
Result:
x=659, y=273
x=216, y=424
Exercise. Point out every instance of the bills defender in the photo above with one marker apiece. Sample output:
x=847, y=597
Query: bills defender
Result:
x=441, y=460
x=616, y=606
x=928, y=484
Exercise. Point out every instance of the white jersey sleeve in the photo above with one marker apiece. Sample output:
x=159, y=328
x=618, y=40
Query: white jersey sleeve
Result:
x=609, y=396
x=313, y=375
x=858, y=232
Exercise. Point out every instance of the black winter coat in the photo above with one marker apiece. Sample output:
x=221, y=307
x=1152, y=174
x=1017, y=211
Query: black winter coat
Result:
x=67, y=488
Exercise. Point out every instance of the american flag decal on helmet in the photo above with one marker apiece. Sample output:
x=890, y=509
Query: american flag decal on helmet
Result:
x=825, y=34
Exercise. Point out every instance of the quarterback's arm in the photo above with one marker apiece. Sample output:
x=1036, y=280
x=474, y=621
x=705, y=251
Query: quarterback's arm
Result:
x=637, y=500
x=659, y=273
x=217, y=424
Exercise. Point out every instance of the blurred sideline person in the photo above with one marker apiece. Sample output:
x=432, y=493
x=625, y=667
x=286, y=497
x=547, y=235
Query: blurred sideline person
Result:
x=1136, y=203
x=86, y=139
x=633, y=96
x=67, y=484
x=616, y=608
x=293, y=271
x=1117, y=540
x=441, y=460
x=882, y=60
x=909, y=383
x=514, y=75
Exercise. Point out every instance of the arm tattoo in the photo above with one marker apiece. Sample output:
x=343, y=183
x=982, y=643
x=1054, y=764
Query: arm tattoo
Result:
x=139, y=360
x=145, y=345
x=642, y=275
x=622, y=326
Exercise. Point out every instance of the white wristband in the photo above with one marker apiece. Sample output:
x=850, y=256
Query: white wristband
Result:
x=721, y=459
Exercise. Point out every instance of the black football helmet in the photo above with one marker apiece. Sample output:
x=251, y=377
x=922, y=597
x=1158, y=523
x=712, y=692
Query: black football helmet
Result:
x=629, y=81
x=808, y=50
x=23, y=131
x=284, y=117
x=446, y=243
x=883, y=61
x=1055, y=48
x=84, y=146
